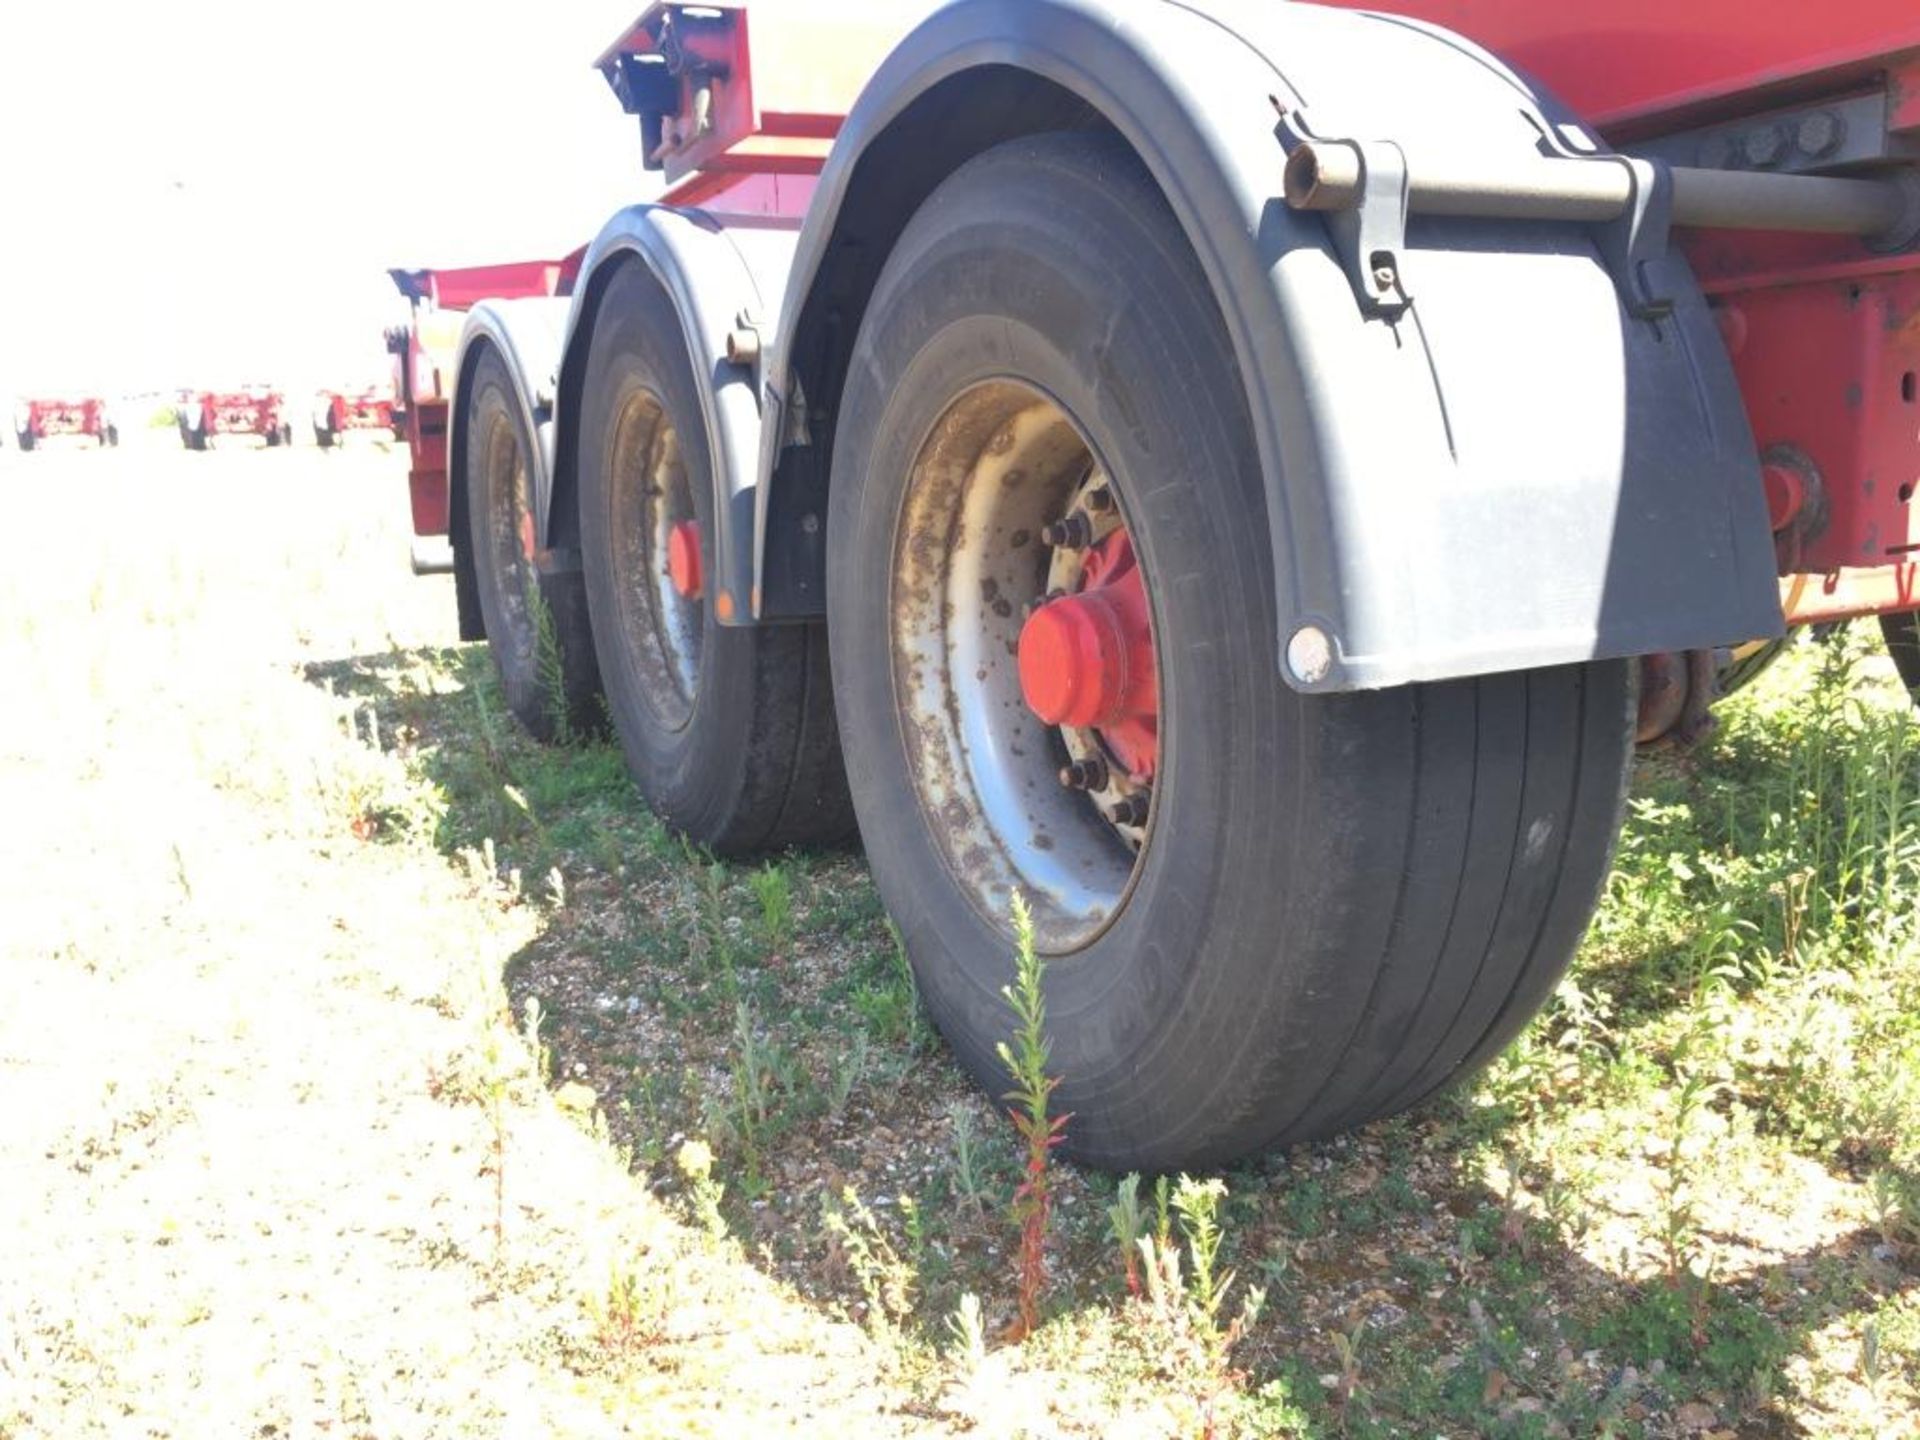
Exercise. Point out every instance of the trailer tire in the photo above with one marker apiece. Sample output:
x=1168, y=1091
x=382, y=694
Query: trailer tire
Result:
x=110, y=437
x=1901, y=633
x=27, y=440
x=513, y=593
x=323, y=437
x=729, y=732
x=1342, y=902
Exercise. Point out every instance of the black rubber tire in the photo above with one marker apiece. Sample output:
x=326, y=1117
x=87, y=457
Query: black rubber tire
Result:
x=27, y=441
x=1345, y=902
x=272, y=438
x=1902, y=636
x=323, y=437
x=754, y=764
x=110, y=437
x=507, y=583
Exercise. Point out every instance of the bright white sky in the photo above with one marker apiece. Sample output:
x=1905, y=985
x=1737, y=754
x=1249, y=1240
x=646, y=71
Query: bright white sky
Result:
x=200, y=192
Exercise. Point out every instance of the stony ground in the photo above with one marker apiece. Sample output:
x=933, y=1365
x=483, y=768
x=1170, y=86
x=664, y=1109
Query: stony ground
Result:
x=360, y=1055
x=272, y=1161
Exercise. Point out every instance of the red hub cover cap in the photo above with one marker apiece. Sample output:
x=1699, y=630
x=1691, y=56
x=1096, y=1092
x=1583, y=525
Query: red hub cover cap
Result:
x=1086, y=659
x=683, y=560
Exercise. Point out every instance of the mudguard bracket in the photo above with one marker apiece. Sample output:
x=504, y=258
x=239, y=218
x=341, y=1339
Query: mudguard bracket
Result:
x=1371, y=238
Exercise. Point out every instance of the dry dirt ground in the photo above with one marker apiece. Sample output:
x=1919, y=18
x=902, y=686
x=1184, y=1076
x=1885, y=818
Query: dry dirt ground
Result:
x=271, y=1161
x=352, y=1042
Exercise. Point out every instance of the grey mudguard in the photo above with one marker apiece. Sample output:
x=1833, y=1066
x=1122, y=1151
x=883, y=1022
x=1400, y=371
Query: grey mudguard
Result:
x=527, y=334
x=1511, y=472
x=718, y=279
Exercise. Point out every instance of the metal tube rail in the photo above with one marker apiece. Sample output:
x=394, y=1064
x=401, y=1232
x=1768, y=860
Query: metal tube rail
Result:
x=1330, y=175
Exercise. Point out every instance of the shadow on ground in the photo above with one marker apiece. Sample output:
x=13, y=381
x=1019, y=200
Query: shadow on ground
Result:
x=767, y=1010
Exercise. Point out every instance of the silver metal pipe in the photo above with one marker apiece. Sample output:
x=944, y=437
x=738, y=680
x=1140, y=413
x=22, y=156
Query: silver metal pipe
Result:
x=1330, y=175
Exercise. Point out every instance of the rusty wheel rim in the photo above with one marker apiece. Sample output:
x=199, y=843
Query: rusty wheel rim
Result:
x=653, y=499
x=510, y=526
x=974, y=560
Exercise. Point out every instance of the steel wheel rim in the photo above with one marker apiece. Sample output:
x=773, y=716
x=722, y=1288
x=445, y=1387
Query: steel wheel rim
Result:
x=665, y=630
x=969, y=564
x=511, y=530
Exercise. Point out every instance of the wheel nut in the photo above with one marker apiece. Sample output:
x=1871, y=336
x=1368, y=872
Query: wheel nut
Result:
x=1085, y=774
x=1764, y=146
x=1132, y=810
x=1073, y=533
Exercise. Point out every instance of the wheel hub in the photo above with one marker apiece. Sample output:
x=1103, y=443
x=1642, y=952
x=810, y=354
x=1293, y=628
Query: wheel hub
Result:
x=1086, y=659
x=684, y=567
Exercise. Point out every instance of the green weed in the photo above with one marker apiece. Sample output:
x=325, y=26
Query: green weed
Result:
x=888, y=1282
x=1025, y=1060
x=773, y=888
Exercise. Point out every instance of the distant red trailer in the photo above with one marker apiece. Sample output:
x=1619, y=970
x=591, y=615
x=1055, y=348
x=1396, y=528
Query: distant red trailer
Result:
x=423, y=355
x=44, y=419
x=255, y=410
x=337, y=413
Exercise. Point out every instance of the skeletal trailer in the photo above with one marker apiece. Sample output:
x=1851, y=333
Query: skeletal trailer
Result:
x=256, y=410
x=340, y=413
x=41, y=418
x=1242, y=475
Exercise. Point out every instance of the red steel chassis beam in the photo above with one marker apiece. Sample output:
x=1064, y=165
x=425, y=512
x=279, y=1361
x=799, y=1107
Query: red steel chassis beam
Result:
x=422, y=384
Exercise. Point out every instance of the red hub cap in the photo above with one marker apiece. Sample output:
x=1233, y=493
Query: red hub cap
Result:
x=684, y=566
x=1086, y=659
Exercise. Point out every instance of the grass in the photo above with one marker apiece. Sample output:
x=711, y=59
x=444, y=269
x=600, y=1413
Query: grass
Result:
x=1673, y=1203
x=1686, y=1202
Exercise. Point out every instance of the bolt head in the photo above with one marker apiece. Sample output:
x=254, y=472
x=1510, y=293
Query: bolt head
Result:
x=1763, y=146
x=1310, y=655
x=1818, y=133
